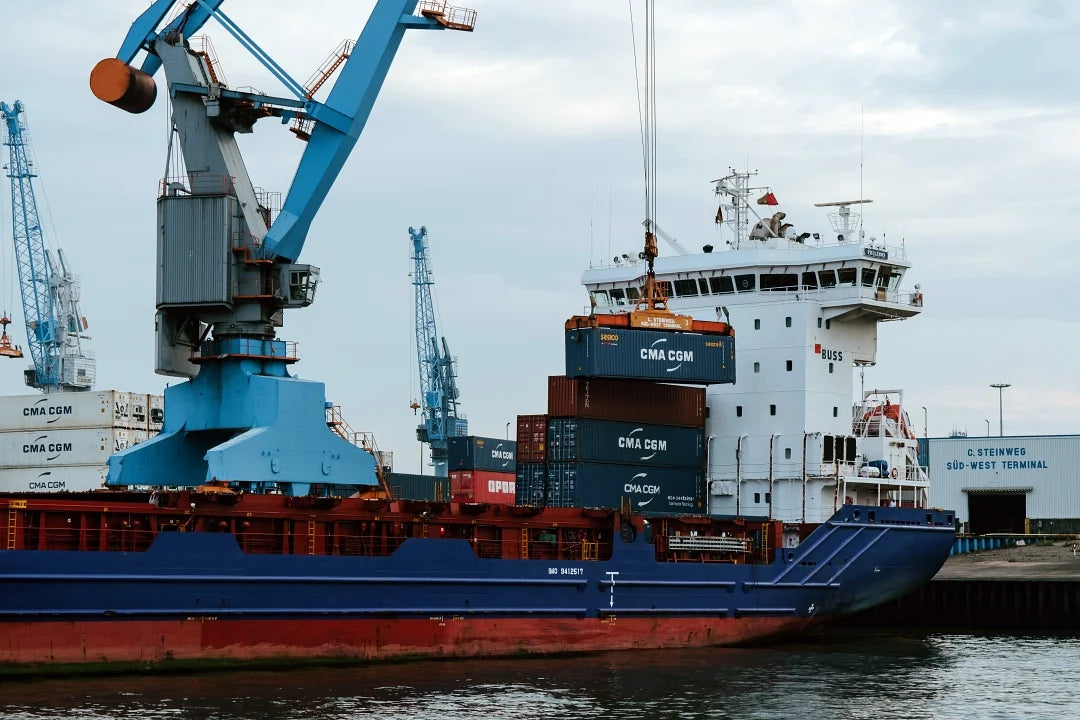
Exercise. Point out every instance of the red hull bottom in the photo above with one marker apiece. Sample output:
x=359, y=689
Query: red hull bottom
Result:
x=150, y=643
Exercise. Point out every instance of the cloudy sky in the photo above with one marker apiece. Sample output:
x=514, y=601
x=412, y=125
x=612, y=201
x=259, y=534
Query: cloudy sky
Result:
x=518, y=146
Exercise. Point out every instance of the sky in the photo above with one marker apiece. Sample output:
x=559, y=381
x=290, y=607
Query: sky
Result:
x=518, y=146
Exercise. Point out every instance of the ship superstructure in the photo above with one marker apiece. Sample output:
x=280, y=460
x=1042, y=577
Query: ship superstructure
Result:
x=788, y=440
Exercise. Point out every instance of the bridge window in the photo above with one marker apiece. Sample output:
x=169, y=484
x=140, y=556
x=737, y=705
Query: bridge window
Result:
x=632, y=294
x=828, y=278
x=686, y=288
x=868, y=277
x=847, y=276
x=721, y=285
x=703, y=286
x=779, y=281
x=746, y=283
x=809, y=280
x=887, y=280
x=600, y=298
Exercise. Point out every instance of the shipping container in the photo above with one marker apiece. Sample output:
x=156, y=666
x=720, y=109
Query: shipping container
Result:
x=612, y=441
x=410, y=486
x=665, y=356
x=62, y=411
x=78, y=446
x=58, y=478
x=483, y=486
x=156, y=416
x=531, y=438
x=532, y=484
x=601, y=485
x=629, y=400
x=481, y=453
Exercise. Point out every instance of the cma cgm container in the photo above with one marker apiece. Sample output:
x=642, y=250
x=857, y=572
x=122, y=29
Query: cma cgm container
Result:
x=531, y=438
x=629, y=400
x=105, y=408
x=59, y=478
x=481, y=453
x=409, y=486
x=82, y=446
x=610, y=441
x=531, y=484
x=661, y=355
x=483, y=486
x=600, y=485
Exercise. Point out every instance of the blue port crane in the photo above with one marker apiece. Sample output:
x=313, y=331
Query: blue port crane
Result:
x=438, y=377
x=55, y=327
x=227, y=259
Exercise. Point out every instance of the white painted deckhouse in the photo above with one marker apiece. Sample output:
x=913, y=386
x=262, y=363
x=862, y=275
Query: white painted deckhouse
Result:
x=791, y=438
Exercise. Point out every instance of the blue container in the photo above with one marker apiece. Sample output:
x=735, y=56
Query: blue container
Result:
x=663, y=355
x=409, y=486
x=611, y=441
x=481, y=453
x=531, y=484
x=675, y=491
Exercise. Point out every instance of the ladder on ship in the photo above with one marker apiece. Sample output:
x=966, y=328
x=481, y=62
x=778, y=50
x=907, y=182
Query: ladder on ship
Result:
x=14, y=506
x=364, y=440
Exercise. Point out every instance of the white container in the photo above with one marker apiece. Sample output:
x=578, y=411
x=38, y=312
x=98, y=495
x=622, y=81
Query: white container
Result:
x=79, y=446
x=61, y=478
x=53, y=411
x=156, y=414
x=386, y=459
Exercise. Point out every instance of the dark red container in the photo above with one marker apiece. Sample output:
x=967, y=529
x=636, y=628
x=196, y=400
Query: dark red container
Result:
x=531, y=438
x=630, y=400
x=483, y=486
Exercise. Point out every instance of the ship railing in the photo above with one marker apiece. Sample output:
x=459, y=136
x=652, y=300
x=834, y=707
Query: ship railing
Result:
x=702, y=543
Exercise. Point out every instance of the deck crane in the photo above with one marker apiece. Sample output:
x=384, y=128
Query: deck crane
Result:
x=228, y=267
x=438, y=381
x=56, y=329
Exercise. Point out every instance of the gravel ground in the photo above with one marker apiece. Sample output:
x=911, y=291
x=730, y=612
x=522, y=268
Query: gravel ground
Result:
x=1059, y=560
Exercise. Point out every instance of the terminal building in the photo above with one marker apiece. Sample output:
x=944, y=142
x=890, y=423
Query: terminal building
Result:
x=1012, y=484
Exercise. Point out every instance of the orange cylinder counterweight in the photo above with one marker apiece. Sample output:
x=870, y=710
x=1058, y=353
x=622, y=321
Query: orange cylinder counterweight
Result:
x=117, y=83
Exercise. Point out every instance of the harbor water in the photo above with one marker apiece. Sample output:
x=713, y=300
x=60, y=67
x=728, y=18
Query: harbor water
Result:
x=849, y=673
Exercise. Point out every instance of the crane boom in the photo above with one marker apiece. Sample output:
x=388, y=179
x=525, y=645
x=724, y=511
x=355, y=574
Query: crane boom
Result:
x=227, y=270
x=50, y=291
x=438, y=377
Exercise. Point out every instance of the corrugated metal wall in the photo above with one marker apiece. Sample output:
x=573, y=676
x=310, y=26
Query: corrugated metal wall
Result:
x=194, y=253
x=1047, y=464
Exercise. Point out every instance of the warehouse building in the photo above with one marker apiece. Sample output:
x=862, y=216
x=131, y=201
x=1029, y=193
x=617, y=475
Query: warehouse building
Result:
x=1021, y=484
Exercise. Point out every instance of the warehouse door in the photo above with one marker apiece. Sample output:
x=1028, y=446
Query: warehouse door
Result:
x=996, y=512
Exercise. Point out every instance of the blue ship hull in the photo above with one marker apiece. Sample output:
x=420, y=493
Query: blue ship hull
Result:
x=435, y=596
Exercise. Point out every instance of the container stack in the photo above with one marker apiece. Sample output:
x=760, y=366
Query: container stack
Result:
x=532, y=460
x=609, y=442
x=482, y=469
x=61, y=442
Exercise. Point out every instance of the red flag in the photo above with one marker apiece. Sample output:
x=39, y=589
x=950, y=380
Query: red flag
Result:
x=768, y=199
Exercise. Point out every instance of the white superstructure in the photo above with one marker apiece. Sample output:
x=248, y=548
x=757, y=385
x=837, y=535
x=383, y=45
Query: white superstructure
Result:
x=788, y=439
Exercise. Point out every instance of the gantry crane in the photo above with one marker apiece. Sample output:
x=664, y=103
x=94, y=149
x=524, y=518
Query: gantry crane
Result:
x=55, y=328
x=438, y=378
x=227, y=265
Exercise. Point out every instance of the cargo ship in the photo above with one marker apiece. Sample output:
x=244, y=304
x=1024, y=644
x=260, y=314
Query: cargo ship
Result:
x=253, y=529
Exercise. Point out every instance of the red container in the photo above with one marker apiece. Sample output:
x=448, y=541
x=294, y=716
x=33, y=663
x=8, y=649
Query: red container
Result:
x=483, y=486
x=531, y=438
x=630, y=400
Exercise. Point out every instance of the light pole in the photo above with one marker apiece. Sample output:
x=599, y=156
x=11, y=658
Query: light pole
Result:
x=507, y=431
x=924, y=431
x=987, y=427
x=1001, y=423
